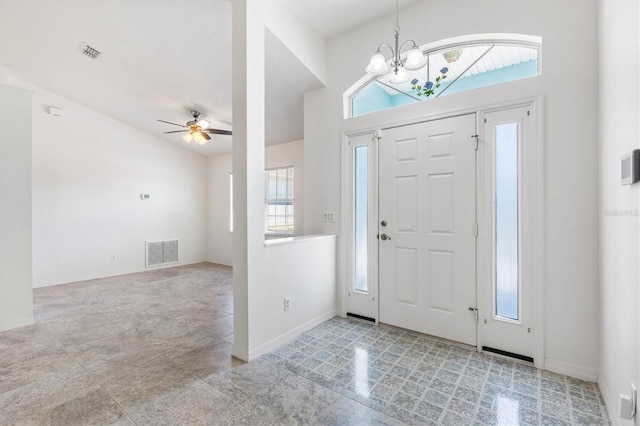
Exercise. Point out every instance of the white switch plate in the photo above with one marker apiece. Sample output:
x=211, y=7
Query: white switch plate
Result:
x=287, y=303
x=329, y=216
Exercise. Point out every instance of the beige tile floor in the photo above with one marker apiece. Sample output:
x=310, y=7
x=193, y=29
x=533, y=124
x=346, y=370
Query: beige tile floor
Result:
x=154, y=348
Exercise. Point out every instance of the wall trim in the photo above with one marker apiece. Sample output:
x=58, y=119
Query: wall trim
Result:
x=571, y=370
x=289, y=335
x=17, y=324
x=609, y=401
x=133, y=271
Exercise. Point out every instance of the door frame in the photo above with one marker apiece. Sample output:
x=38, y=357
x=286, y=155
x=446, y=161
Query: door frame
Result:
x=393, y=118
x=532, y=201
x=346, y=246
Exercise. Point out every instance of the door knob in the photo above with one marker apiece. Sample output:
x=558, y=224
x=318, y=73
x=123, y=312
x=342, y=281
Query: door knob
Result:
x=385, y=237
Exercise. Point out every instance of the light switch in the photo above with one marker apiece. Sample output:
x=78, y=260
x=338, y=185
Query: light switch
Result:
x=329, y=216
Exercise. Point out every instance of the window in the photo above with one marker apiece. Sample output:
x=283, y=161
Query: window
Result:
x=361, y=190
x=230, y=202
x=279, y=201
x=506, y=221
x=470, y=65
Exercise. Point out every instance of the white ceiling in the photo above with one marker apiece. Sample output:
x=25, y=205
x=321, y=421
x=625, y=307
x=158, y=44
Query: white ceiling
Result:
x=162, y=58
x=332, y=17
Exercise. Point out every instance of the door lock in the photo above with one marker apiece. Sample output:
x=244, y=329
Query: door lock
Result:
x=475, y=313
x=385, y=237
x=383, y=223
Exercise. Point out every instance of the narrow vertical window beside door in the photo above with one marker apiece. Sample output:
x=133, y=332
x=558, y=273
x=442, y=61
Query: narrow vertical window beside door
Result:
x=361, y=190
x=506, y=226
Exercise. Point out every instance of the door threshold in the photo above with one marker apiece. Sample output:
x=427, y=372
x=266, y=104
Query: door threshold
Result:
x=507, y=354
x=361, y=317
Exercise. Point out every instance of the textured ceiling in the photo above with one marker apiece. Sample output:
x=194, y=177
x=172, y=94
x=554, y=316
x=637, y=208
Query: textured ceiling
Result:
x=162, y=58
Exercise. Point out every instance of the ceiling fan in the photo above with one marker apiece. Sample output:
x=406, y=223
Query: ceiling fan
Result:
x=197, y=128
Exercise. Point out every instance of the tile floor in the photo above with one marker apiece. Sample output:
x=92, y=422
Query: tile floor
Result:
x=154, y=348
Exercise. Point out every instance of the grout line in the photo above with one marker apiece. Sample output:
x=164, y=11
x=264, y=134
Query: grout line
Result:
x=145, y=344
x=89, y=375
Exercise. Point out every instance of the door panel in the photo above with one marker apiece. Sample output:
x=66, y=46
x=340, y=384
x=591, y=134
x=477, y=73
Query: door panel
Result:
x=504, y=287
x=361, y=297
x=427, y=197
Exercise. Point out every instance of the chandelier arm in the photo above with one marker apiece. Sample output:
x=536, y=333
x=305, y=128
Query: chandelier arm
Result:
x=405, y=43
x=393, y=54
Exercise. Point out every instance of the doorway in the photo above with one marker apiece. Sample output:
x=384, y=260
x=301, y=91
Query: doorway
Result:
x=427, y=254
x=431, y=210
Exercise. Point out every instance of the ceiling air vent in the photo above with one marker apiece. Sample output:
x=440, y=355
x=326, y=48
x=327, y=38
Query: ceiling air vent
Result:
x=90, y=51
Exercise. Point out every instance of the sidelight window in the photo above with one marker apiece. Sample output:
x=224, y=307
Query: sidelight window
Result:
x=361, y=190
x=506, y=221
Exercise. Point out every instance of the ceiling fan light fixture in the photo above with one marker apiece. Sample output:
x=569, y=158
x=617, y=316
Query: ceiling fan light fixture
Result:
x=199, y=138
x=188, y=137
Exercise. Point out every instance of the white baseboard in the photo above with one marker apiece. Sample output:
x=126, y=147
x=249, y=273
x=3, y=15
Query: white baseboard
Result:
x=290, y=335
x=612, y=404
x=17, y=324
x=571, y=370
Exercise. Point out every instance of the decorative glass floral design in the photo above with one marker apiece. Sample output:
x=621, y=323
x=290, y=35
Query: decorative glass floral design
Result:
x=429, y=87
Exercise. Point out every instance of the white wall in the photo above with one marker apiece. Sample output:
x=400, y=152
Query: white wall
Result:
x=16, y=295
x=619, y=221
x=263, y=274
x=303, y=270
x=88, y=173
x=220, y=240
x=569, y=84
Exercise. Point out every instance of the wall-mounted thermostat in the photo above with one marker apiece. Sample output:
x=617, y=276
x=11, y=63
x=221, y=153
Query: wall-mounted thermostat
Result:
x=630, y=167
x=144, y=196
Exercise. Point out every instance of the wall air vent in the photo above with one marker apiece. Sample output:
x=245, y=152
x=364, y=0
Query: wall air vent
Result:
x=90, y=51
x=159, y=253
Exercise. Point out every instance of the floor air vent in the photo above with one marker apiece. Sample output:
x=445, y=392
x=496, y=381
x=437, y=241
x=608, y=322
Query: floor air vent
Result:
x=161, y=253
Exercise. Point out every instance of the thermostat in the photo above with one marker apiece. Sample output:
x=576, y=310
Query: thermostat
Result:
x=630, y=167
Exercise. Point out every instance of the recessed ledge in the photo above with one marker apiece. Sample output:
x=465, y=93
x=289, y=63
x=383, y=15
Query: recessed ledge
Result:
x=301, y=239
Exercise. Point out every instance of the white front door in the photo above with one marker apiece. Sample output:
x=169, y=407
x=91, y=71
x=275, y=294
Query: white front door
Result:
x=427, y=222
x=505, y=210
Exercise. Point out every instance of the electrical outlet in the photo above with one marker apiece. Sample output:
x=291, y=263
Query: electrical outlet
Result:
x=287, y=303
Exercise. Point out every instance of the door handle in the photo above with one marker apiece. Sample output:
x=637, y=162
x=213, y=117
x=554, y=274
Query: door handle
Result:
x=385, y=237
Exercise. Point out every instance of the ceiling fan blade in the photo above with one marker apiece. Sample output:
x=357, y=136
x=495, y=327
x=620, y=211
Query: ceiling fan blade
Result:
x=205, y=136
x=168, y=122
x=177, y=131
x=218, y=131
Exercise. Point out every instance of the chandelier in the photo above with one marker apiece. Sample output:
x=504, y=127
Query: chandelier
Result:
x=415, y=59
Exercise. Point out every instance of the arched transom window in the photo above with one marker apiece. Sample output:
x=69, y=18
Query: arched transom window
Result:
x=454, y=65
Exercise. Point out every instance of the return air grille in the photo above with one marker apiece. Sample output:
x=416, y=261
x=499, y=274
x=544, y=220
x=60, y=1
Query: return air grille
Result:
x=161, y=253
